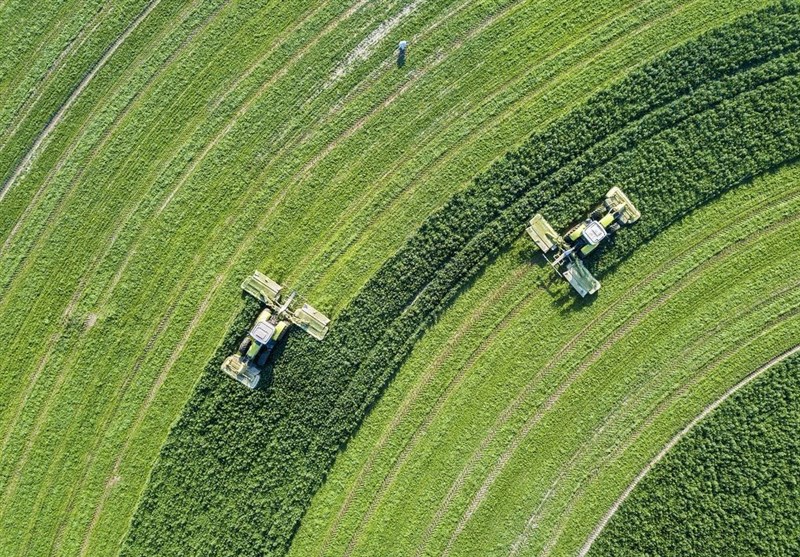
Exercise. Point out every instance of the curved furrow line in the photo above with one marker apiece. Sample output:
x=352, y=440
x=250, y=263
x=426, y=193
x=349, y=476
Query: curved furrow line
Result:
x=56, y=25
x=672, y=442
x=526, y=392
x=85, y=279
x=413, y=395
x=25, y=64
x=140, y=416
x=724, y=357
x=134, y=203
x=51, y=125
x=43, y=413
x=416, y=179
x=36, y=94
x=255, y=65
x=81, y=287
x=594, y=356
x=143, y=231
x=402, y=197
x=282, y=139
x=422, y=430
x=254, y=97
x=254, y=230
x=53, y=215
x=620, y=413
x=166, y=320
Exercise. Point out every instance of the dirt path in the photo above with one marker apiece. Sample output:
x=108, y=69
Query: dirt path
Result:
x=672, y=442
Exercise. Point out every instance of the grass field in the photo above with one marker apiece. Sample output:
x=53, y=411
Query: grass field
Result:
x=735, y=472
x=154, y=153
x=517, y=421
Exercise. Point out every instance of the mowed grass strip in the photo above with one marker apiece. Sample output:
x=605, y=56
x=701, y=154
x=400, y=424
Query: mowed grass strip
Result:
x=667, y=146
x=170, y=301
x=600, y=413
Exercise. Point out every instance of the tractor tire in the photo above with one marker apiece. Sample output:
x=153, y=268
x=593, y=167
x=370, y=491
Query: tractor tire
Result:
x=245, y=345
x=261, y=361
x=613, y=227
x=597, y=214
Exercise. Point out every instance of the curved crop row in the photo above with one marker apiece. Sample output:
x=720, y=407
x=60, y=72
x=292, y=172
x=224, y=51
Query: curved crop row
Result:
x=728, y=487
x=696, y=122
x=545, y=409
x=207, y=146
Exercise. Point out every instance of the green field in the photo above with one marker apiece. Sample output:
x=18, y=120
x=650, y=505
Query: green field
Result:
x=515, y=423
x=736, y=473
x=153, y=154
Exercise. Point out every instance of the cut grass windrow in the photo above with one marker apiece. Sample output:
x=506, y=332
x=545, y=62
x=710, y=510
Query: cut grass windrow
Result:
x=314, y=403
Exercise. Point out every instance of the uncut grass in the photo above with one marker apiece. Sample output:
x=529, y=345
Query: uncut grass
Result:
x=133, y=292
x=768, y=343
x=494, y=523
x=674, y=133
x=527, y=322
x=494, y=518
x=599, y=391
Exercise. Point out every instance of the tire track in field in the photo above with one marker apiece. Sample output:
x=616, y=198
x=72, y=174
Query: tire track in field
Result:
x=329, y=27
x=15, y=75
x=470, y=321
x=255, y=96
x=508, y=412
x=306, y=169
x=422, y=430
x=46, y=226
x=537, y=515
x=724, y=357
x=43, y=414
x=71, y=305
x=595, y=355
x=435, y=60
x=674, y=441
x=281, y=136
x=59, y=115
x=36, y=94
x=142, y=413
x=473, y=135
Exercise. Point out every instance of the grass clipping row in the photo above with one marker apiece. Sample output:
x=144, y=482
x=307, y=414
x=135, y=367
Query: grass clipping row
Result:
x=239, y=468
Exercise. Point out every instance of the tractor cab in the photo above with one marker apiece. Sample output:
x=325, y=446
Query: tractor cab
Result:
x=269, y=328
x=582, y=239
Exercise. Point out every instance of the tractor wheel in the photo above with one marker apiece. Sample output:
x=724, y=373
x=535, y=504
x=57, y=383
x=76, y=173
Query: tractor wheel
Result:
x=262, y=358
x=245, y=345
x=613, y=227
x=597, y=214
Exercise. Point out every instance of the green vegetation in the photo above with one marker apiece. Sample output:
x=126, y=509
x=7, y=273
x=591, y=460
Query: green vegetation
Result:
x=697, y=121
x=516, y=422
x=173, y=147
x=729, y=487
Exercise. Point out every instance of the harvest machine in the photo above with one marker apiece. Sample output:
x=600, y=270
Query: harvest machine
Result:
x=270, y=327
x=582, y=239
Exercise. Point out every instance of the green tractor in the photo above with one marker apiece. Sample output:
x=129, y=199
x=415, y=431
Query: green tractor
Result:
x=246, y=365
x=582, y=239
